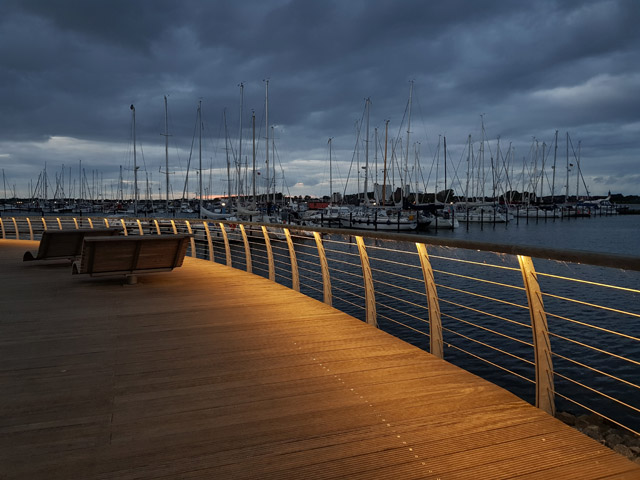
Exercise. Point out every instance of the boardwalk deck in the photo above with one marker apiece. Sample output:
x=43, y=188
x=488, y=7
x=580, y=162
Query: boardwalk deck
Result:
x=208, y=372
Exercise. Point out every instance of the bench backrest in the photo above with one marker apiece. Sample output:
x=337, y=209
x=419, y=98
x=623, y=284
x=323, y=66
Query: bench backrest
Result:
x=132, y=254
x=67, y=243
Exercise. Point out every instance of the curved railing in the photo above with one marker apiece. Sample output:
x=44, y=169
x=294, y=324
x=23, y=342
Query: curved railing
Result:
x=562, y=334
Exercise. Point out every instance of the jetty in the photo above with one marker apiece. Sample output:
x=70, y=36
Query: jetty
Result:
x=211, y=372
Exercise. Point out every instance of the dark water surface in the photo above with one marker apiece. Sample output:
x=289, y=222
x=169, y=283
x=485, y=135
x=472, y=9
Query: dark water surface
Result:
x=619, y=234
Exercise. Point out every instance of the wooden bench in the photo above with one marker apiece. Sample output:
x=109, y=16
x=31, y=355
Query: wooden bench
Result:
x=65, y=244
x=131, y=256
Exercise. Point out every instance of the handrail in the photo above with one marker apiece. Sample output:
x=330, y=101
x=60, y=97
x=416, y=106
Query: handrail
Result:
x=471, y=303
x=572, y=256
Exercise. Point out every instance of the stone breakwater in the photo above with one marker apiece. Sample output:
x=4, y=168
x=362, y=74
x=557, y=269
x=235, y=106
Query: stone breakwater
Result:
x=619, y=440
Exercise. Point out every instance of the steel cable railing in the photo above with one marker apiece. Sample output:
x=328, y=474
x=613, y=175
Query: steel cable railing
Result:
x=409, y=276
x=484, y=315
x=595, y=341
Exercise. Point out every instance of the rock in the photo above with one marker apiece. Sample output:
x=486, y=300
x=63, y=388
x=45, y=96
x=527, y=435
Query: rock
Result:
x=583, y=421
x=617, y=431
x=619, y=440
x=613, y=439
x=594, y=419
x=594, y=432
x=623, y=450
x=567, y=418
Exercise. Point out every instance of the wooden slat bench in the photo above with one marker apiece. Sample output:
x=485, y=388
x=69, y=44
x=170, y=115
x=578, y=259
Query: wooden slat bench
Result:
x=131, y=256
x=65, y=244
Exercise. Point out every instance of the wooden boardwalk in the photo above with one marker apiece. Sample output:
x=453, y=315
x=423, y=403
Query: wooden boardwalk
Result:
x=208, y=372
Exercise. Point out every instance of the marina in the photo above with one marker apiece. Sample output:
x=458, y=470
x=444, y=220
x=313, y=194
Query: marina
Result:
x=304, y=240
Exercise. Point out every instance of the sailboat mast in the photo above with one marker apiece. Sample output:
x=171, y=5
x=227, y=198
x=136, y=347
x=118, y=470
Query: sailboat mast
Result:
x=200, y=156
x=494, y=170
x=226, y=147
x=166, y=150
x=578, y=171
x=376, y=198
x=481, y=169
x=253, y=125
x=406, y=163
x=416, y=168
x=466, y=192
x=366, y=157
x=45, y=183
x=239, y=166
x=135, y=166
x=273, y=157
x=266, y=121
x=330, y=175
x=446, y=193
x=544, y=151
x=566, y=195
x=120, y=188
x=384, y=169
x=553, y=181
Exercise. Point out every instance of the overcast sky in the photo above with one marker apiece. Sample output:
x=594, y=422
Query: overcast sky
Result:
x=69, y=71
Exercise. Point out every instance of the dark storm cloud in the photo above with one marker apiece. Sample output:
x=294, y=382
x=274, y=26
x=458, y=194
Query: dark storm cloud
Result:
x=70, y=69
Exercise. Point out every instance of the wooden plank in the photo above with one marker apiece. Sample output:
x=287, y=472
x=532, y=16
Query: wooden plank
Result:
x=208, y=372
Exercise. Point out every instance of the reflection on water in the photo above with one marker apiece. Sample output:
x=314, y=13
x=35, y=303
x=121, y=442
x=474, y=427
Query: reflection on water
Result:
x=607, y=234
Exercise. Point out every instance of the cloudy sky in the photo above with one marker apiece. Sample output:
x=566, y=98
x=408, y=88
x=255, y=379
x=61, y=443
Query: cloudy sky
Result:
x=509, y=72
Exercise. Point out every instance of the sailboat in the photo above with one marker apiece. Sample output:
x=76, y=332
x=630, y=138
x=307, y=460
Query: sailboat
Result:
x=219, y=214
x=377, y=217
x=332, y=214
x=443, y=213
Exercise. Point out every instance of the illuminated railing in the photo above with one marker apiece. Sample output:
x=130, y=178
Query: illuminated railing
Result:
x=564, y=332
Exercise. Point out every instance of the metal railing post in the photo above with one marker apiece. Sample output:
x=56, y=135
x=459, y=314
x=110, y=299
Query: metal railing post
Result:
x=209, y=242
x=124, y=227
x=541, y=344
x=227, y=248
x=106, y=223
x=295, y=276
x=155, y=222
x=173, y=226
x=90, y=222
x=139, y=226
x=75, y=221
x=193, y=241
x=44, y=223
x=2, y=227
x=369, y=290
x=59, y=223
x=247, y=249
x=15, y=225
x=324, y=266
x=30, y=229
x=267, y=243
x=435, y=322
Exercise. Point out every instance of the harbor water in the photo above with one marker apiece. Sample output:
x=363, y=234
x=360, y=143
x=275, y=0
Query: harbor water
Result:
x=617, y=234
